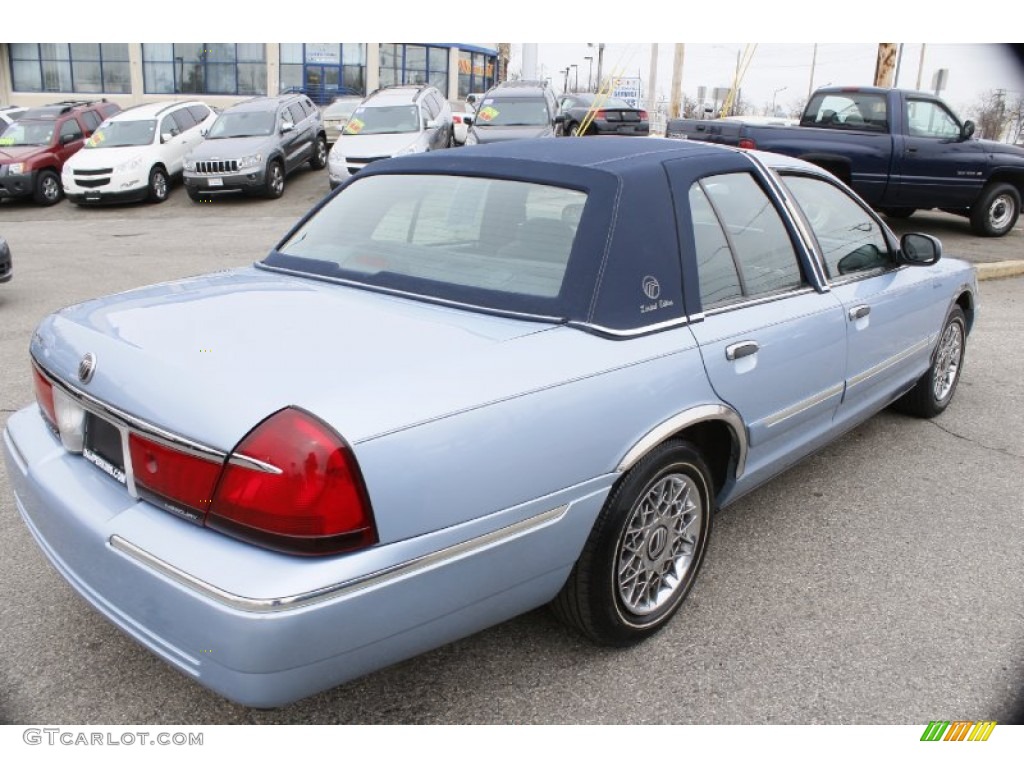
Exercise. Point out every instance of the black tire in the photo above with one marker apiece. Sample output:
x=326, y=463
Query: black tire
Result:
x=159, y=185
x=617, y=594
x=899, y=213
x=996, y=211
x=934, y=391
x=48, y=190
x=572, y=129
x=318, y=160
x=273, y=185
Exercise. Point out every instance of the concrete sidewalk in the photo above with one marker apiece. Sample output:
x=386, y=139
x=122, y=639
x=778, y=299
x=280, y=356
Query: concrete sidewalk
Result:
x=997, y=269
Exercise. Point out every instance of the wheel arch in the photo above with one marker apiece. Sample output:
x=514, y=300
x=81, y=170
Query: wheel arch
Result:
x=966, y=302
x=1013, y=176
x=717, y=431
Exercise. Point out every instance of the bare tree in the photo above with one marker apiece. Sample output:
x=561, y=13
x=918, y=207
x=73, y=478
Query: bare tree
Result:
x=794, y=109
x=991, y=117
x=689, y=108
x=1015, y=115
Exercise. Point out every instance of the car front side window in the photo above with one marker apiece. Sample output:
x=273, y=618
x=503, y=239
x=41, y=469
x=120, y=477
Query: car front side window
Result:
x=850, y=239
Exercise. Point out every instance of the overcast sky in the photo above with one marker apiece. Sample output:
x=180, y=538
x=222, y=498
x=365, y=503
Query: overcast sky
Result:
x=786, y=67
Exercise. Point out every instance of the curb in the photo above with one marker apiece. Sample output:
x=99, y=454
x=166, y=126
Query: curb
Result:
x=999, y=269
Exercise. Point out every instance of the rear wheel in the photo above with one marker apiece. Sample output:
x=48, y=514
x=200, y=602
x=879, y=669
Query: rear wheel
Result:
x=899, y=213
x=645, y=550
x=48, y=190
x=996, y=211
x=274, y=183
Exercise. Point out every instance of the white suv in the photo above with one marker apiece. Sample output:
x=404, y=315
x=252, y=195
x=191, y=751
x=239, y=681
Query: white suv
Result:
x=393, y=121
x=133, y=155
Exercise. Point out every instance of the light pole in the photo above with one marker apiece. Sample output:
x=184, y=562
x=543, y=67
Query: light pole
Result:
x=590, y=73
x=600, y=60
x=774, y=94
x=576, y=78
x=565, y=85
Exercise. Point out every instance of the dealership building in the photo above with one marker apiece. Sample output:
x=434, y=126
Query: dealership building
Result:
x=221, y=74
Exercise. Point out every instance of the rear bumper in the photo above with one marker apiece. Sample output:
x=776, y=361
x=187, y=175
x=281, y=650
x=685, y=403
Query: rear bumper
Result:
x=265, y=629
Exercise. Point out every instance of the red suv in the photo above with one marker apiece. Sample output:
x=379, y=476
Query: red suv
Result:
x=33, y=149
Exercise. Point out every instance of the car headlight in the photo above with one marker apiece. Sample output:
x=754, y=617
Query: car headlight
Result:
x=470, y=139
x=129, y=165
x=16, y=168
x=250, y=161
x=189, y=165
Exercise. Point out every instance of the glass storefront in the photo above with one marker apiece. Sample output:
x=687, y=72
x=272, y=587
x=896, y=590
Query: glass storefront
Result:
x=408, y=64
x=70, y=67
x=476, y=72
x=323, y=70
x=210, y=68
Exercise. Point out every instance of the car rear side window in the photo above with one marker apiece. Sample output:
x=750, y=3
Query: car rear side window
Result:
x=443, y=235
x=757, y=239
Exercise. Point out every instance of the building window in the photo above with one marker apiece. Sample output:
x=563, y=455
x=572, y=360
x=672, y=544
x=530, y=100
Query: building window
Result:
x=212, y=68
x=408, y=64
x=70, y=67
x=323, y=70
x=476, y=73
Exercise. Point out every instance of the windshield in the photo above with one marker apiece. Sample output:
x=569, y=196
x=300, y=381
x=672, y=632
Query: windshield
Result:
x=233, y=125
x=27, y=135
x=123, y=133
x=487, y=242
x=371, y=120
x=513, y=112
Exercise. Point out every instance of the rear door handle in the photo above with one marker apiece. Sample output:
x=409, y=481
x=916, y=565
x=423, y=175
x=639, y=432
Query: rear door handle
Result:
x=741, y=349
x=858, y=312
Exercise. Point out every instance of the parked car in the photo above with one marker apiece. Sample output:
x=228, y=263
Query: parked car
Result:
x=337, y=114
x=519, y=109
x=134, y=155
x=590, y=114
x=35, y=147
x=462, y=117
x=253, y=146
x=392, y=121
x=8, y=115
x=467, y=384
x=901, y=150
x=6, y=262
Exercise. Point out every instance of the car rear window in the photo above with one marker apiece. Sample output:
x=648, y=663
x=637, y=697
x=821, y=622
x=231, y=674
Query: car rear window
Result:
x=494, y=243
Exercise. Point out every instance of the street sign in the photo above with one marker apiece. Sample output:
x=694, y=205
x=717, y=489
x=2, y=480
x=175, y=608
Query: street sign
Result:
x=630, y=90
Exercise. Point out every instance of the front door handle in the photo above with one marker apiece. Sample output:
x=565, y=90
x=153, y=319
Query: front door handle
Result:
x=858, y=312
x=741, y=349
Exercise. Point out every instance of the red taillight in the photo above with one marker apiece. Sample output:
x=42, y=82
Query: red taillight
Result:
x=175, y=475
x=748, y=144
x=315, y=504
x=44, y=396
x=643, y=114
x=456, y=119
x=600, y=115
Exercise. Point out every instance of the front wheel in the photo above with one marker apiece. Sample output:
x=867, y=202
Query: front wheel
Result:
x=934, y=390
x=996, y=210
x=645, y=550
x=274, y=184
x=48, y=190
x=159, y=185
x=318, y=160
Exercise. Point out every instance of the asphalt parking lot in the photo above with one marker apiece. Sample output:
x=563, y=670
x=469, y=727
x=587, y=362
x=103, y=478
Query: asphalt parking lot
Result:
x=880, y=581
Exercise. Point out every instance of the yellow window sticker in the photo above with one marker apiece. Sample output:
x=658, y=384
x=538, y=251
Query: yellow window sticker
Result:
x=487, y=114
x=355, y=125
x=96, y=139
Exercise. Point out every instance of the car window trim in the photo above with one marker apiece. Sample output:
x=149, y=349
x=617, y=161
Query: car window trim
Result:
x=761, y=299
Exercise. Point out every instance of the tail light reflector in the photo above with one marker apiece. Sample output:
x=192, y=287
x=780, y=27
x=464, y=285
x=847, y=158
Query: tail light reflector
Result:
x=601, y=115
x=643, y=114
x=457, y=119
x=303, y=494
x=44, y=396
x=174, y=475
x=748, y=144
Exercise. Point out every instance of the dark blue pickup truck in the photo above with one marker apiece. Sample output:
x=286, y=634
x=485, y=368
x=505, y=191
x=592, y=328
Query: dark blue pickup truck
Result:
x=900, y=150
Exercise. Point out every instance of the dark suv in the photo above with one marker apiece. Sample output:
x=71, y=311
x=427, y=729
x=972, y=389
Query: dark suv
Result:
x=33, y=148
x=521, y=109
x=254, y=145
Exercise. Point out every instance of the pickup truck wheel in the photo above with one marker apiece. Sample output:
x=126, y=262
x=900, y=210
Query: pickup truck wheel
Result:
x=934, y=390
x=645, y=550
x=996, y=211
x=899, y=213
x=274, y=184
x=48, y=190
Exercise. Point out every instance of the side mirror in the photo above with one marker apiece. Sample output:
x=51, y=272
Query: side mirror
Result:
x=165, y=137
x=203, y=132
x=967, y=131
x=920, y=250
x=431, y=124
x=467, y=120
x=64, y=140
x=471, y=99
x=559, y=119
x=287, y=127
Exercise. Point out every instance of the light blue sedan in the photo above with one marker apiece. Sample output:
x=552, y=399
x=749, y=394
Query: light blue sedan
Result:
x=465, y=385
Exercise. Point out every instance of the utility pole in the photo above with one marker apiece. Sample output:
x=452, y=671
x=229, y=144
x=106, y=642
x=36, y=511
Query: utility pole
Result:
x=652, y=86
x=885, y=65
x=600, y=62
x=920, y=68
x=504, y=54
x=677, y=82
x=814, y=60
x=576, y=78
x=899, y=63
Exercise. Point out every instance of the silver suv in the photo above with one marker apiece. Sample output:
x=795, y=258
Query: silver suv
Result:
x=398, y=120
x=521, y=109
x=254, y=145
